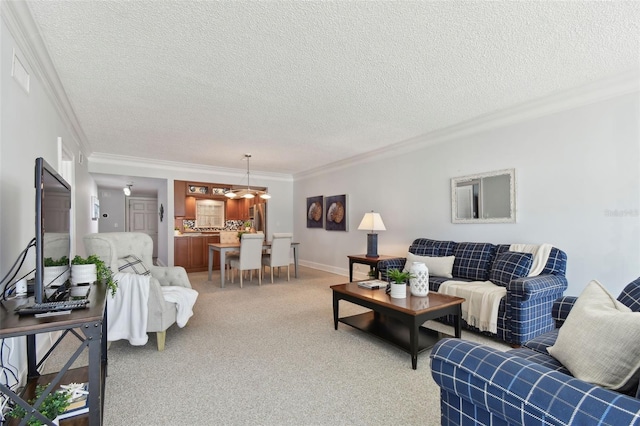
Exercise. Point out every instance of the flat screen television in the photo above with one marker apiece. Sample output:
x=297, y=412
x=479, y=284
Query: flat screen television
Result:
x=53, y=223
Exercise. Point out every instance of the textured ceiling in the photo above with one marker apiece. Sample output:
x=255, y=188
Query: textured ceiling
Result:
x=303, y=84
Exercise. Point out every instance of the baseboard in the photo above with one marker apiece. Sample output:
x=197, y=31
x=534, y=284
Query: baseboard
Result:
x=333, y=270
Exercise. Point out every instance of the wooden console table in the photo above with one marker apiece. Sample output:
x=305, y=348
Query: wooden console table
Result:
x=363, y=259
x=89, y=326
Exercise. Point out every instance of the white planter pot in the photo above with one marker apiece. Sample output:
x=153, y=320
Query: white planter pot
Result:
x=55, y=275
x=81, y=274
x=79, y=290
x=398, y=290
x=419, y=284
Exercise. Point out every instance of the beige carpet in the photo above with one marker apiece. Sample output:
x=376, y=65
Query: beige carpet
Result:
x=269, y=355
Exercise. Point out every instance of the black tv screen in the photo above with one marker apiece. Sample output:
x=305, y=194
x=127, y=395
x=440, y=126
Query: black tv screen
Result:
x=53, y=222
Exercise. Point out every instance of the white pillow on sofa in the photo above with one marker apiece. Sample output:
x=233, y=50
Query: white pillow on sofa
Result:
x=438, y=266
x=133, y=265
x=600, y=340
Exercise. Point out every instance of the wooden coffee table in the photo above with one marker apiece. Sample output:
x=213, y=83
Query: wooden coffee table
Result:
x=398, y=321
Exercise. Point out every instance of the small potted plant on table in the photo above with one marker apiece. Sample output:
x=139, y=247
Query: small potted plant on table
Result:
x=56, y=272
x=398, y=282
x=102, y=274
x=51, y=407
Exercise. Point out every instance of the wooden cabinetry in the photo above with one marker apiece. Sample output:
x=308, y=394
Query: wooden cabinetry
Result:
x=192, y=253
x=181, y=251
x=190, y=208
x=237, y=210
x=179, y=194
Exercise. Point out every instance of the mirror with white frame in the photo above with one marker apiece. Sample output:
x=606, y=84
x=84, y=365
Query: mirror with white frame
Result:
x=484, y=198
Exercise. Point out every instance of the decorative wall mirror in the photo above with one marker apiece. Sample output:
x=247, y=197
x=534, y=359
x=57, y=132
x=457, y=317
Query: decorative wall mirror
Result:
x=484, y=198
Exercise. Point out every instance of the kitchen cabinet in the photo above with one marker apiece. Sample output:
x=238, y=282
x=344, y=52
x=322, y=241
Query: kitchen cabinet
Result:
x=190, y=208
x=179, y=194
x=181, y=251
x=236, y=209
x=197, y=257
x=192, y=253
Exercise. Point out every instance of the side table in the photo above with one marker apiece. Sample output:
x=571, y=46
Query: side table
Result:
x=364, y=260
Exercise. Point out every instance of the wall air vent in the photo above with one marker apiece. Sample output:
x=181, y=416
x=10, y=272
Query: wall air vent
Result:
x=19, y=72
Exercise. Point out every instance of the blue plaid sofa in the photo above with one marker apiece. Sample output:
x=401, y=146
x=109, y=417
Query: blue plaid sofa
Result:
x=525, y=312
x=485, y=386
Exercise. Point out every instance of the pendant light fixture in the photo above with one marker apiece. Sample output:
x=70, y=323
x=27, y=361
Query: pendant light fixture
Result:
x=248, y=192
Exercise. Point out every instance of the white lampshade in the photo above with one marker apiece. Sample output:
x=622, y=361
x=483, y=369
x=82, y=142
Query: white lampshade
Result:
x=372, y=222
x=248, y=195
x=230, y=194
x=127, y=190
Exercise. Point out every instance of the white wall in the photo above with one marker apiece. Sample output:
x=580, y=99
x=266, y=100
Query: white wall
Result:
x=112, y=205
x=31, y=126
x=578, y=188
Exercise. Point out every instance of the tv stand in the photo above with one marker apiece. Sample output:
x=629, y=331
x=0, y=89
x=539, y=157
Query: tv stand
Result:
x=89, y=326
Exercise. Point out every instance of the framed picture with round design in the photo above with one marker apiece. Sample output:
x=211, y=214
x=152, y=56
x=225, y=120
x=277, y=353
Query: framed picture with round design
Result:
x=335, y=208
x=314, y=212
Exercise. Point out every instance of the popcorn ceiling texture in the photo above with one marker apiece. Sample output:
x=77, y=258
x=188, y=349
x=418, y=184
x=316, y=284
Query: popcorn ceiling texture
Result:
x=204, y=82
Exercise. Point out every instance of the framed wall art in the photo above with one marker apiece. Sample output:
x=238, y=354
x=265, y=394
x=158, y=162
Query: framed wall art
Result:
x=335, y=208
x=314, y=212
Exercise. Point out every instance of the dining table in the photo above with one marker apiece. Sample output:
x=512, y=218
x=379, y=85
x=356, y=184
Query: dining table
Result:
x=224, y=248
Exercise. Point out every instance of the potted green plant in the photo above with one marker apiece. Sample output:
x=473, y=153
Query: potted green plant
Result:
x=399, y=281
x=247, y=225
x=56, y=271
x=51, y=407
x=103, y=273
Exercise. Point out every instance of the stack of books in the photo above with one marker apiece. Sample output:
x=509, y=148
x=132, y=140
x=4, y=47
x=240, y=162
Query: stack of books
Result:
x=79, y=402
x=373, y=284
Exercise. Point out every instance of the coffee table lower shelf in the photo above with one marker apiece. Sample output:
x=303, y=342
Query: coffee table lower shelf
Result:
x=392, y=330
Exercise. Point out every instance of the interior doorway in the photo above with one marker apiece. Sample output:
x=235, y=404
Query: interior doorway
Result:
x=142, y=216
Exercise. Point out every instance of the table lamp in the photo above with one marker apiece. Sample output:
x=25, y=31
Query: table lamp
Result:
x=373, y=222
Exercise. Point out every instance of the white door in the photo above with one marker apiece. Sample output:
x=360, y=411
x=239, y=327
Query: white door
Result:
x=143, y=217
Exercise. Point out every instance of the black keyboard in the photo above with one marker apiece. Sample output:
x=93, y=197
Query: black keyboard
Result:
x=63, y=305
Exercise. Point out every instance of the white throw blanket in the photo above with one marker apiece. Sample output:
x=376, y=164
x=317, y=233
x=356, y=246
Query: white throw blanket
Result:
x=482, y=300
x=540, y=255
x=184, y=298
x=128, y=310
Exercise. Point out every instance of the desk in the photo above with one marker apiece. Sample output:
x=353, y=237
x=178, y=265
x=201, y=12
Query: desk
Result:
x=363, y=259
x=223, y=248
x=89, y=325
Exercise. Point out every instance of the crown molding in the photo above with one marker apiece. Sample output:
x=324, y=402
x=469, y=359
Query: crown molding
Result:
x=100, y=158
x=19, y=21
x=624, y=83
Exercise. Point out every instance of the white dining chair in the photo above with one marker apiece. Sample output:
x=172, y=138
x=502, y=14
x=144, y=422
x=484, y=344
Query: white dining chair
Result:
x=280, y=254
x=249, y=258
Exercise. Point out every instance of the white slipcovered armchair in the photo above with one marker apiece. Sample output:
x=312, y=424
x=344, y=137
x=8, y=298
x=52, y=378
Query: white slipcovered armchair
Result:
x=112, y=247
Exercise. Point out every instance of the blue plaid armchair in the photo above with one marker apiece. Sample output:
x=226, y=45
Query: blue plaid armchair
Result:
x=485, y=386
x=525, y=312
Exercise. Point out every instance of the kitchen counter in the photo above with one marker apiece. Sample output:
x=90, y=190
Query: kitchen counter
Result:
x=199, y=234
